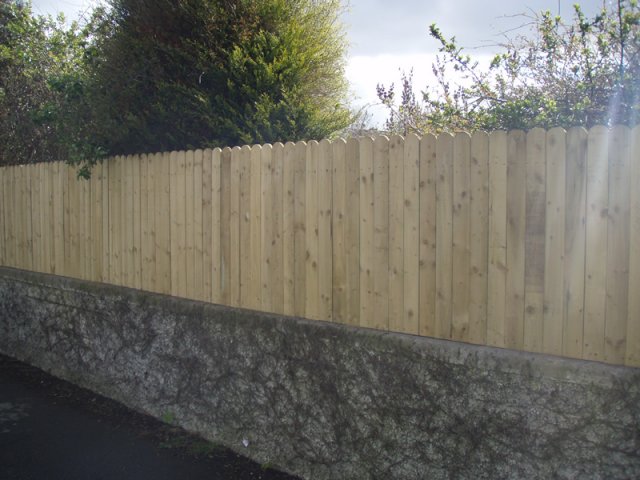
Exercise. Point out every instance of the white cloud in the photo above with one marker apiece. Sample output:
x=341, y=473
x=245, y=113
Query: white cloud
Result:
x=365, y=72
x=379, y=27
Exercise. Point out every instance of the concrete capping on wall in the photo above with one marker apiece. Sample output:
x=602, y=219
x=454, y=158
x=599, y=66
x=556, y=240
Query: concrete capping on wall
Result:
x=326, y=401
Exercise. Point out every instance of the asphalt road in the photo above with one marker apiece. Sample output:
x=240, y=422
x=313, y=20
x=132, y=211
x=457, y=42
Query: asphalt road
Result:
x=50, y=429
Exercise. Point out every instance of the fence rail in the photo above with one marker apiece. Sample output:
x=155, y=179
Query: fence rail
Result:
x=525, y=240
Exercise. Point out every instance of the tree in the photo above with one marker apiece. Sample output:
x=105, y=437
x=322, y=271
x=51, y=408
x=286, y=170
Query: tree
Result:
x=577, y=74
x=174, y=74
x=40, y=102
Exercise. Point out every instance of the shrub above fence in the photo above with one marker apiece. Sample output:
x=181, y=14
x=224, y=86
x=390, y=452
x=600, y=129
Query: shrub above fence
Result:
x=524, y=240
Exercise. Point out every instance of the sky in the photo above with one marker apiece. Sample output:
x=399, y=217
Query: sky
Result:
x=387, y=37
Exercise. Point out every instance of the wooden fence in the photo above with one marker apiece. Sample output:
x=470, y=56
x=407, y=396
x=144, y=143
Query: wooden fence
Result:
x=525, y=240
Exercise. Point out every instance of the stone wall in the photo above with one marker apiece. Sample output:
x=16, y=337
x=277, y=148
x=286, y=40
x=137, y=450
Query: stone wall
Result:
x=326, y=401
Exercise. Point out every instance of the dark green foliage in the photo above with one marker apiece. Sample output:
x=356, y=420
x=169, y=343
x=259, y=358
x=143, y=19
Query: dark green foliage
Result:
x=579, y=74
x=42, y=99
x=152, y=75
x=194, y=73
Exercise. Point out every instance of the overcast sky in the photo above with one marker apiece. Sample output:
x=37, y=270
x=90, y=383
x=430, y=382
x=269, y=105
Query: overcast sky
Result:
x=401, y=26
x=387, y=36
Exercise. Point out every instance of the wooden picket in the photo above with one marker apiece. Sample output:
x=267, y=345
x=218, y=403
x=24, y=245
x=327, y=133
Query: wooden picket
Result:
x=427, y=233
x=396, y=234
x=524, y=240
x=515, y=254
x=411, y=235
x=596, y=245
x=288, y=229
x=366, y=232
x=534, y=243
x=311, y=300
x=325, y=253
x=574, y=242
x=554, y=246
x=497, y=269
x=340, y=259
x=226, y=232
x=299, y=158
x=479, y=225
x=461, y=238
x=444, y=235
x=632, y=354
x=617, y=286
x=380, y=265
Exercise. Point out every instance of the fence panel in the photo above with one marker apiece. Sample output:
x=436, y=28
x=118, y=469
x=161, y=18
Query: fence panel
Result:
x=198, y=243
x=95, y=225
x=136, y=249
x=225, y=226
x=13, y=225
x=338, y=225
x=633, y=319
x=20, y=217
x=299, y=156
x=444, y=235
x=276, y=193
x=162, y=220
x=288, y=229
x=352, y=232
x=112, y=188
x=366, y=232
x=255, y=242
x=554, y=249
x=427, y=215
x=325, y=243
x=574, y=237
x=129, y=244
x=535, y=239
x=411, y=235
x=618, y=245
x=125, y=237
x=216, y=224
x=396, y=234
x=526, y=240
x=34, y=176
x=11, y=212
x=208, y=191
x=311, y=301
x=3, y=213
x=245, y=226
x=381, y=233
x=461, y=241
x=479, y=225
x=191, y=219
x=147, y=227
x=16, y=225
x=26, y=217
x=515, y=255
x=282, y=207
x=48, y=217
x=596, y=244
